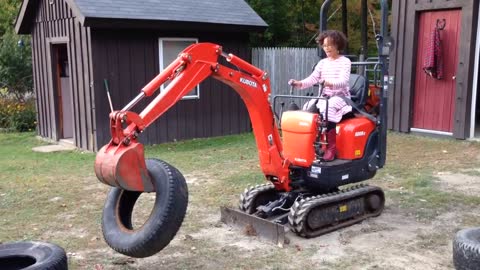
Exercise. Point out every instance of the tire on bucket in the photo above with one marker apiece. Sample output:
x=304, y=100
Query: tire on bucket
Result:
x=32, y=256
x=164, y=221
x=466, y=249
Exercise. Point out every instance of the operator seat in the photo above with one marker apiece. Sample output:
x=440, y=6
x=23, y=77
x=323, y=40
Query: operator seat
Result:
x=358, y=90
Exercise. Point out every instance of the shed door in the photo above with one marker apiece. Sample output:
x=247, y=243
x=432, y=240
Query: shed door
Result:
x=434, y=100
x=64, y=91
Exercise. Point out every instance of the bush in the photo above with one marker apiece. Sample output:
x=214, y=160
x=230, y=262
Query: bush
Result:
x=17, y=116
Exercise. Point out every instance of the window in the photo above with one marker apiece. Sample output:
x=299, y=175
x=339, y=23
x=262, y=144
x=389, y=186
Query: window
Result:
x=169, y=50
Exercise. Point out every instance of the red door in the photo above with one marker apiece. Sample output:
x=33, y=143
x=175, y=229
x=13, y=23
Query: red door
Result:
x=434, y=99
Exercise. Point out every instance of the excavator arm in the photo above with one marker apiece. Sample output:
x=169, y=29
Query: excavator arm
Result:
x=121, y=163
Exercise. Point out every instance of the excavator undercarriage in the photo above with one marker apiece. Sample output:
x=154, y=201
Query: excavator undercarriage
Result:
x=268, y=214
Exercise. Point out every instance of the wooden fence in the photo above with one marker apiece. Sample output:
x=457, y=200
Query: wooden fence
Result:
x=283, y=64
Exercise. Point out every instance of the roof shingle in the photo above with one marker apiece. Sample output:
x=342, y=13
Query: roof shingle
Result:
x=236, y=12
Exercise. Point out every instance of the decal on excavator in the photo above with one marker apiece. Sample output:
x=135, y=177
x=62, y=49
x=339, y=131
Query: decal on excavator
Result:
x=248, y=82
x=360, y=133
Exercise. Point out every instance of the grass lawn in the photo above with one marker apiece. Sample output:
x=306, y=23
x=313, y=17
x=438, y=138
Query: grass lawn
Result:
x=56, y=197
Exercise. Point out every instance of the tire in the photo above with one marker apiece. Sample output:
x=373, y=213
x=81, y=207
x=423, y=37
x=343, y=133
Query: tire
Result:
x=32, y=256
x=466, y=249
x=164, y=221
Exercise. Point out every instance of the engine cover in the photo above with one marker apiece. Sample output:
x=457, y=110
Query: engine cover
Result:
x=352, y=136
x=299, y=131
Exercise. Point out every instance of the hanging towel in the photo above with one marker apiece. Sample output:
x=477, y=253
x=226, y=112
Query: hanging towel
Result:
x=433, y=64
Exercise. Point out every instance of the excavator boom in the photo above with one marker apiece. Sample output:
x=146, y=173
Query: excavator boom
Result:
x=121, y=163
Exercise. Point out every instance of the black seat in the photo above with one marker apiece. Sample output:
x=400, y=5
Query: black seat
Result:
x=358, y=90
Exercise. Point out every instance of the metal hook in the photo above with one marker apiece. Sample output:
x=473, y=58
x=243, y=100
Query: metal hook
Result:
x=441, y=24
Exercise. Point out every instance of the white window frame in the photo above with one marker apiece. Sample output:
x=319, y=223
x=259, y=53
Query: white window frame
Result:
x=164, y=65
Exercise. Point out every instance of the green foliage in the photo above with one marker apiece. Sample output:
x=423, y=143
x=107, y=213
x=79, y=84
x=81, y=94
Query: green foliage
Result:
x=295, y=23
x=8, y=13
x=17, y=116
x=15, y=66
x=278, y=17
x=15, y=60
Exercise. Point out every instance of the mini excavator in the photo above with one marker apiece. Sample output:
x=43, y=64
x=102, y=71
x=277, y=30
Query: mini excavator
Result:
x=301, y=191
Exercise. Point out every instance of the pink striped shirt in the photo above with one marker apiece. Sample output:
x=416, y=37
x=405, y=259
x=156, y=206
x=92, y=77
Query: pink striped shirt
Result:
x=336, y=72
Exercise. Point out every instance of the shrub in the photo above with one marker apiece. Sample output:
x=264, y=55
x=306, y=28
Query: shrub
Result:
x=17, y=116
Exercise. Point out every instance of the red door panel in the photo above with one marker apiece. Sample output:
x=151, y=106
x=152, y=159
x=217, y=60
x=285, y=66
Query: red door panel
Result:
x=434, y=99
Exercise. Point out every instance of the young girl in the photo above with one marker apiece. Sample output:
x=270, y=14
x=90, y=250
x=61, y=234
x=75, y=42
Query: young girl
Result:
x=334, y=73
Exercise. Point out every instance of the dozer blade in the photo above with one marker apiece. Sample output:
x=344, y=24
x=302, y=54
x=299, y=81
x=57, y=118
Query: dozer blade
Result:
x=254, y=226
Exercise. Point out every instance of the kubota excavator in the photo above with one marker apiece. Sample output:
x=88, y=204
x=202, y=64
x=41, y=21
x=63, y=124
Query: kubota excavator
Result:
x=302, y=190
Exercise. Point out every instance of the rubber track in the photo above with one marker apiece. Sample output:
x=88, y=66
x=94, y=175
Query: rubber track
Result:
x=247, y=197
x=297, y=217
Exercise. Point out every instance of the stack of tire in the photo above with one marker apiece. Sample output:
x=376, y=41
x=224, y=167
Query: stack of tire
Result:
x=32, y=256
x=466, y=249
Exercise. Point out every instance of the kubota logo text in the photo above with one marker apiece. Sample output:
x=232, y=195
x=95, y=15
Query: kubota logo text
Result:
x=248, y=82
x=360, y=133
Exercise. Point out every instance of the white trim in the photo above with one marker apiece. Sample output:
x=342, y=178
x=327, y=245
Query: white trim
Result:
x=428, y=131
x=162, y=64
x=475, y=80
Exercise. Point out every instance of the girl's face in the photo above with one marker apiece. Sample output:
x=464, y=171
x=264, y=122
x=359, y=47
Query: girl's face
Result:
x=330, y=48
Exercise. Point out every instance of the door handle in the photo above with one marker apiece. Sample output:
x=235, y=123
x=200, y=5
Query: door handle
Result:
x=454, y=77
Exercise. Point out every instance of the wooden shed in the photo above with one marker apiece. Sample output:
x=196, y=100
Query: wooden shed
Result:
x=446, y=106
x=79, y=44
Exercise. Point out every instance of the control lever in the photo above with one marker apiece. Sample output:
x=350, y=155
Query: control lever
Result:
x=105, y=82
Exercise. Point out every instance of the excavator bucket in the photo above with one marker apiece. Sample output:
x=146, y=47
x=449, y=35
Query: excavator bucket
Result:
x=123, y=166
x=268, y=229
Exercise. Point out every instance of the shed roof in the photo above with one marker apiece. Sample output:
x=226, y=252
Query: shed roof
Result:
x=100, y=12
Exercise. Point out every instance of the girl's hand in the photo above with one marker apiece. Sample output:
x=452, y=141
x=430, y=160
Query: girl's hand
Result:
x=294, y=83
x=325, y=83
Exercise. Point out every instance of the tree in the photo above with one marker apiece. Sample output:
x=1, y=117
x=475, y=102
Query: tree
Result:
x=15, y=54
x=15, y=66
x=296, y=22
x=8, y=12
x=276, y=15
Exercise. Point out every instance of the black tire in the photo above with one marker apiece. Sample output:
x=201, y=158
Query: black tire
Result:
x=164, y=221
x=32, y=256
x=466, y=249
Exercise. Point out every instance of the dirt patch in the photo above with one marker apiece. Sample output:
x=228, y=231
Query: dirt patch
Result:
x=225, y=236
x=390, y=241
x=468, y=184
x=198, y=179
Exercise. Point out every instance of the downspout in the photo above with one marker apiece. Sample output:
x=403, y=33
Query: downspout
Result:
x=475, y=79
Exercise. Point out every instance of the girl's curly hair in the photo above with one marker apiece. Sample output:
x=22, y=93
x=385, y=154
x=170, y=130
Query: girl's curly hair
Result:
x=337, y=37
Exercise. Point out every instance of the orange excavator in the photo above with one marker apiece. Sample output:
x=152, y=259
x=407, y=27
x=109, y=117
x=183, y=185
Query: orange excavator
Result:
x=302, y=190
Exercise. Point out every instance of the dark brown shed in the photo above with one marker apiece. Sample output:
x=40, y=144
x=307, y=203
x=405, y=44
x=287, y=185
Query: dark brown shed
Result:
x=419, y=102
x=77, y=45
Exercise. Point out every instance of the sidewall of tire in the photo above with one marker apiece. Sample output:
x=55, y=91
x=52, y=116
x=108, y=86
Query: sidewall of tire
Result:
x=164, y=220
x=45, y=255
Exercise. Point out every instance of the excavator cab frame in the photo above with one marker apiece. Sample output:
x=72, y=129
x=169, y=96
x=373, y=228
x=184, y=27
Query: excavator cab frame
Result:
x=380, y=67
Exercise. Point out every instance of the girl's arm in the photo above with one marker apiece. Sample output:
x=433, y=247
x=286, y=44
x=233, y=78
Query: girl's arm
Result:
x=314, y=78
